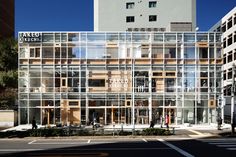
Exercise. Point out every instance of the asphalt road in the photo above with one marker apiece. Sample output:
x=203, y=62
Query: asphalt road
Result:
x=118, y=147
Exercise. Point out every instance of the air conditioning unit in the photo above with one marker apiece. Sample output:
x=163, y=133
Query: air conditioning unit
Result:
x=142, y=29
x=135, y=29
x=155, y=29
x=129, y=29
x=149, y=29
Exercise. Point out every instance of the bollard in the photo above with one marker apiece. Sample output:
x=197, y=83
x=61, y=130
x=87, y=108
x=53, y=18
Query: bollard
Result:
x=173, y=130
x=113, y=129
x=122, y=127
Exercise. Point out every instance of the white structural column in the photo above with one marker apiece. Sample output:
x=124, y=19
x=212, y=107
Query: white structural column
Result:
x=150, y=98
x=133, y=90
x=232, y=94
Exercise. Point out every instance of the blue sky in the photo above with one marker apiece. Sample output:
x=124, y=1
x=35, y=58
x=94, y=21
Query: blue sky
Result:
x=77, y=15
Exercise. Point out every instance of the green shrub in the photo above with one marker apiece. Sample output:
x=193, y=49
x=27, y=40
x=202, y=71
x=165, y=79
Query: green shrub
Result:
x=46, y=132
x=125, y=133
x=155, y=131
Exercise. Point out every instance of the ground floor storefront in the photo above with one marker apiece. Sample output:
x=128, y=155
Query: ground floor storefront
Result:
x=77, y=112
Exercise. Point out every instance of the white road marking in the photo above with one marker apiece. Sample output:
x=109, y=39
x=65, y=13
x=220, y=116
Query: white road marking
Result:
x=220, y=143
x=145, y=140
x=218, y=140
x=175, y=148
x=53, y=143
x=83, y=149
x=18, y=150
x=88, y=141
x=230, y=145
x=195, y=132
x=32, y=142
x=199, y=136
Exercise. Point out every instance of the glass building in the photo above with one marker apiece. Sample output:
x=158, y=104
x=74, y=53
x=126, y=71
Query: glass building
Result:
x=119, y=77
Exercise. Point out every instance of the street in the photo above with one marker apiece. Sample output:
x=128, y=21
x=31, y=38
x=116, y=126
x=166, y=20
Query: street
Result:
x=119, y=146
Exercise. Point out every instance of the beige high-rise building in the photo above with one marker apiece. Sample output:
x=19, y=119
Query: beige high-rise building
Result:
x=144, y=15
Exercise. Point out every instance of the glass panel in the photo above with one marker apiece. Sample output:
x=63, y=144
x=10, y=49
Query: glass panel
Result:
x=189, y=52
x=170, y=37
x=112, y=37
x=202, y=37
x=73, y=36
x=96, y=37
x=47, y=52
x=23, y=115
x=189, y=37
x=48, y=37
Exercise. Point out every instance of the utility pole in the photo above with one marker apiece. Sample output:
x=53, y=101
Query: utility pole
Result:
x=232, y=98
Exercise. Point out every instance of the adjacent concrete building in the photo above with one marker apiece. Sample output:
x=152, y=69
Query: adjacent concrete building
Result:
x=227, y=25
x=7, y=20
x=144, y=15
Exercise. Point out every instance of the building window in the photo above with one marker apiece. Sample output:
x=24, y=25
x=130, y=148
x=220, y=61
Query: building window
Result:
x=225, y=75
x=152, y=18
x=224, y=91
x=235, y=36
x=130, y=19
x=230, y=73
x=230, y=40
x=229, y=24
x=130, y=5
x=235, y=54
x=224, y=61
x=228, y=90
x=234, y=19
x=34, y=52
x=152, y=4
x=224, y=43
x=230, y=57
x=223, y=27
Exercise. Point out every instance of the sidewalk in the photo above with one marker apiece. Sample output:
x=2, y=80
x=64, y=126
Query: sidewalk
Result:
x=126, y=127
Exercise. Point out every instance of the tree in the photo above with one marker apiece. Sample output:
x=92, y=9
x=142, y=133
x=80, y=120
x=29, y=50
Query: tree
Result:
x=8, y=73
x=8, y=54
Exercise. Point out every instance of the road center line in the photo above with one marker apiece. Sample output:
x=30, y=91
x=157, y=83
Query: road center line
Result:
x=32, y=142
x=145, y=140
x=175, y=148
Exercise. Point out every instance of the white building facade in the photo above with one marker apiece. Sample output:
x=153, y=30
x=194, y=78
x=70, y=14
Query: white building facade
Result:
x=227, y=25
x=144, y=15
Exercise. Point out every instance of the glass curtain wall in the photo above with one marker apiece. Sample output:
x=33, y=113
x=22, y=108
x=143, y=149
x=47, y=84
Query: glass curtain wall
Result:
x=131, y=78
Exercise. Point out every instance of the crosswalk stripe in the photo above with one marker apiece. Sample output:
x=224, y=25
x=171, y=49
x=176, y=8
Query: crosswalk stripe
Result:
x=232, y=145
x=217, y=140
x=221, y=143
x=228, y=144
x=231, y=148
